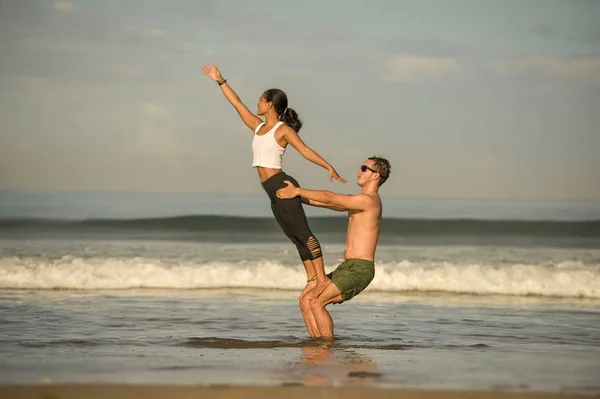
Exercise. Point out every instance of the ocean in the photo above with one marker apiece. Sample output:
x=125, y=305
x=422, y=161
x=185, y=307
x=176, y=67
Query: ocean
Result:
x=190, y=288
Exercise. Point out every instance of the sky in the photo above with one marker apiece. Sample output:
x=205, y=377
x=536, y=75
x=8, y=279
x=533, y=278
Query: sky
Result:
x=465, y=98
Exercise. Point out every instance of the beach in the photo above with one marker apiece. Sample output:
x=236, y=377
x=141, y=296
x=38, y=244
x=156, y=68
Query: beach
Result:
x=115, y=302
x=251, y=392
x=145, y=253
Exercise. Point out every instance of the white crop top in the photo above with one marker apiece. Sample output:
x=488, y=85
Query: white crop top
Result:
x=266, y=152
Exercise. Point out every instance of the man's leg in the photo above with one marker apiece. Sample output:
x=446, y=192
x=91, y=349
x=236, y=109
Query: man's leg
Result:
x=331, y=294
x=290, y=215
x=309, y=318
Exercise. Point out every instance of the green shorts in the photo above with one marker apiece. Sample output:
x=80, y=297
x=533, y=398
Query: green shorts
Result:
x=352, y=276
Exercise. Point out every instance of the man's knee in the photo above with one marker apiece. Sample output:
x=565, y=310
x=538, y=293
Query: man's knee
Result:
x=316, y=304
x=304, y=303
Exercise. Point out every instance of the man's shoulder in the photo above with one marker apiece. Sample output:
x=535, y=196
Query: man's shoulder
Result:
x=372, y=199
x=374, y=196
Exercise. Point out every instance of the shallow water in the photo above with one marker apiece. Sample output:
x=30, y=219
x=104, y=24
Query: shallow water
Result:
x=257, y=337
x=143, y=297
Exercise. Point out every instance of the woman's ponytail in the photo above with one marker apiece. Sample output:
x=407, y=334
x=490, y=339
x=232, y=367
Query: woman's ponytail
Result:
x=290, y=118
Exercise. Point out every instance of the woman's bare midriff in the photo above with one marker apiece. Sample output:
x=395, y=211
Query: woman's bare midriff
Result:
x=265, y=173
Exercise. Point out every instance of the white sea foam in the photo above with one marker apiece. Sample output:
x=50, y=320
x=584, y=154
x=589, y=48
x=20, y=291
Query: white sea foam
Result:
x=563, y=279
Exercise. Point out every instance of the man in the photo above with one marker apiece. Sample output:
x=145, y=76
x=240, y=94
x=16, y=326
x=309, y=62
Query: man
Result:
x=358, y=269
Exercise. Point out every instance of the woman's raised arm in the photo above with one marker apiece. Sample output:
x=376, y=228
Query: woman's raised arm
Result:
x=251, y=120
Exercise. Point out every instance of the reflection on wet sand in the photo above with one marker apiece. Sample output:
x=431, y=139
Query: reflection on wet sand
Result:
x=327, y=366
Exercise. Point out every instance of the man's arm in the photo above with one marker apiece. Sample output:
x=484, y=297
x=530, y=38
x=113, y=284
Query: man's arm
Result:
x=342, y=202
x=322, y=205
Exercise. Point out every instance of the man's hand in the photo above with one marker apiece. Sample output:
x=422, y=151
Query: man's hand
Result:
x=289, y=191
x=309, y=286
x=333, y=174
x=319, y=288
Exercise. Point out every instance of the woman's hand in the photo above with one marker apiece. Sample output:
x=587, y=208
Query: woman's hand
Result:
x=212, y=72
x=334, y=175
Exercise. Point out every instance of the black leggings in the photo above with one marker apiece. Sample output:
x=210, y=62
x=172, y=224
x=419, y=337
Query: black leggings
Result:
x=289, y=213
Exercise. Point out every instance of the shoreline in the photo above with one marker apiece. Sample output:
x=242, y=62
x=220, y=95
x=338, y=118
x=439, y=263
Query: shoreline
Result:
x=130, y=391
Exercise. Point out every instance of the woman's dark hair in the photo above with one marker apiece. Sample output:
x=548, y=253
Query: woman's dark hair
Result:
x=280, y=103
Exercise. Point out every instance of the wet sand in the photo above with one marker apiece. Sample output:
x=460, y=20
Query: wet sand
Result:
x=97, y=391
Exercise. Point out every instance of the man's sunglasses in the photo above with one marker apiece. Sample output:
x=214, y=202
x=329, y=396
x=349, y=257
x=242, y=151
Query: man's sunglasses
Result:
x=364, y=168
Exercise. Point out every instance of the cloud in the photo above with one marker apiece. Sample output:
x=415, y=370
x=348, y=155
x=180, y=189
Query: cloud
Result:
x=147, y=32
x=587, y=69
x=407, y=67
x=306, y=73
x=153, y=110
x=62, y=6
x=156, y=135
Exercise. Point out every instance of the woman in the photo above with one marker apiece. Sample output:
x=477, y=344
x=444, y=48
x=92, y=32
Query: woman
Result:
x=271, y=138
